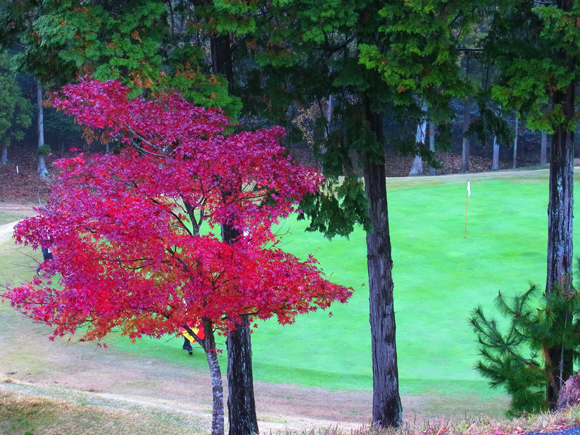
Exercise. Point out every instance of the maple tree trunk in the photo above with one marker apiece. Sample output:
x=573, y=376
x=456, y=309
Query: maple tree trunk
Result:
x=495, y=160
x=387, y=409
x=560, y=225
x=465, y=151
x=209, y=347
x=241, y=402
x=544, y=149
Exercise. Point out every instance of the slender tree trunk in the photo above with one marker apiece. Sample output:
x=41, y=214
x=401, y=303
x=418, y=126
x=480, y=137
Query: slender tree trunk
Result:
x=328, y=116
x=241, y=402
x=209, y=347
x=4, y=155
x=387, y=409
x=41, y=163
x=560, y=225
x=466, y=121
x=495, y=160
x=544, y=148
x=516, y=143
x=417, y=167
x=432, y=144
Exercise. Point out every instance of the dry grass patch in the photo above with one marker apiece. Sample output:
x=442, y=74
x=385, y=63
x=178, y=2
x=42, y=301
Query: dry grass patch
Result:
x=90, y=413
x=484, y=425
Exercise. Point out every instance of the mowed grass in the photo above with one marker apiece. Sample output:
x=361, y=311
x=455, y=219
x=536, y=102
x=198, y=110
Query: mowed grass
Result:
x=439, y=276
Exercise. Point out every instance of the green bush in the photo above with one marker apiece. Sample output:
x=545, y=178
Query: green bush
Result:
x=517, y=358
x=43, y=150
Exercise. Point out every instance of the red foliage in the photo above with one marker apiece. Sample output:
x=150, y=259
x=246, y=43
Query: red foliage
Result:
x=125, y=227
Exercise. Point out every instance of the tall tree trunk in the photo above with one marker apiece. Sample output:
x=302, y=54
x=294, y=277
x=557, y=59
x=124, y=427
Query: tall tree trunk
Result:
x=241, y=402
x=544, y=148
x=516, y=143
x=417, y=167
x=465, y=151
x=41, y=163
x=4, y=155
x=209, y=347
x=387, y=409
x=221, y=58
x=560, y=225
x=431, y=144
x=495, y=160
x=328, y=117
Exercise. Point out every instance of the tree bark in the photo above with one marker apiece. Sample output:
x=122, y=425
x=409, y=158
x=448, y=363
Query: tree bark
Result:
x=417, y=167
x=241, y=402
x=221, y=58
x=516, y=143
x=560, y=225
x=209, y=347
x=466, y=121
x=495, y=160
x=4, y=155
x=41, y=162
x=217, y=418
x=431, y=144
x=387, y=409
x=544, y=149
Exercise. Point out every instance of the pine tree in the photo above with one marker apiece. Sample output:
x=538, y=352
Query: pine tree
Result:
x=519, y=358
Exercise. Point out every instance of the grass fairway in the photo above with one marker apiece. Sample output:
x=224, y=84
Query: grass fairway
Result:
x=439, y=275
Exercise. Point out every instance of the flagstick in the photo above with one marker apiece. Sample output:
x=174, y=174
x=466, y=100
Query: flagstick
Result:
x=466, y=208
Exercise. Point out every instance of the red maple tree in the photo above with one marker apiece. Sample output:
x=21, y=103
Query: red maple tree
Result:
x=130, y=250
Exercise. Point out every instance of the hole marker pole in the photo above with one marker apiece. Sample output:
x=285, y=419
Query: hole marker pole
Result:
x=466, y=207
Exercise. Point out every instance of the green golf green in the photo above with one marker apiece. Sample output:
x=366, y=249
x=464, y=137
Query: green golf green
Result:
x=439, y=275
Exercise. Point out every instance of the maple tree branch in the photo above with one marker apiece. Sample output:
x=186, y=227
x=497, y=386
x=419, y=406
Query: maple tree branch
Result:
x=147, y=142
x=154, y=201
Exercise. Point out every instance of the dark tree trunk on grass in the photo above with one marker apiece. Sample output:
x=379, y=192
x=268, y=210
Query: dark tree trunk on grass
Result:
x=241, y=403
x=560, y=224
x=387, y=409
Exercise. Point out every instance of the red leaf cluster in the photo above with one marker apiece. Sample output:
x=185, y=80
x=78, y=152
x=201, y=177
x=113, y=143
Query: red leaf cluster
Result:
x=130, y=248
